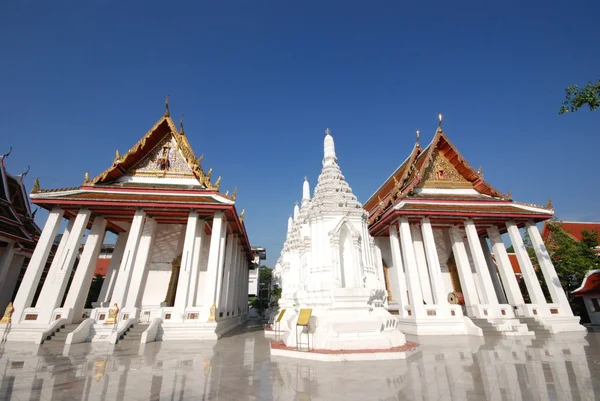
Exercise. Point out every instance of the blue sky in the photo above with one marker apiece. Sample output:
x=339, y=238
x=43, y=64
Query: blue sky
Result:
x=259, y=81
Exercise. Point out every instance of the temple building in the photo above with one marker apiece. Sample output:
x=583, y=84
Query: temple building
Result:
x=330, y=265
x=439, y=226
x=18, y=231
x=180, y=261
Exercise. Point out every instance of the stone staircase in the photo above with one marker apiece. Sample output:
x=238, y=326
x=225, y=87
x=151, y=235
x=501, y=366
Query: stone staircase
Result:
x=503, y=327
x=535, y=326
x=60, y=335
x=134, y=333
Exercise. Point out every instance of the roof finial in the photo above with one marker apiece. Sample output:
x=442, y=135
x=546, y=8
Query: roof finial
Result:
x=117, y=156
x=227, y=193
x=199, y=160
x=181, y=124
x=242, y=214
x=479, y=171
x=508, y=196
x=86, y=178
x=418, y=136
x=209, y=173
x=327, y=132
x=7, y=154
x=36, y=186
x=549, y=204
x=218, y=183
x=167, y=112
x=440, y=118
x=27, y=171
x=234, y=195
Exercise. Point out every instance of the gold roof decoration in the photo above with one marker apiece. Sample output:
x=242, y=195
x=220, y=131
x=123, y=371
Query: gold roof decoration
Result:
x=86, y=178
x=218, y=183
x=234, y=195
x=167, y=127
x=167, y=112
x=36, y=186
x=549, y=204
x=242, y=214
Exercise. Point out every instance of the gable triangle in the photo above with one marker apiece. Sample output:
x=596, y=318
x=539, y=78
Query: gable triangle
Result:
x=441, y=173
x=165, y=160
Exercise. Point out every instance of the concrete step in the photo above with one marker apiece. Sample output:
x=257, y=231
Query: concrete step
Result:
x=60, y=335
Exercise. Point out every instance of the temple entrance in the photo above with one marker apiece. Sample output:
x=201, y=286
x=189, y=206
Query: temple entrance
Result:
x=172, y=289
x=451, y=263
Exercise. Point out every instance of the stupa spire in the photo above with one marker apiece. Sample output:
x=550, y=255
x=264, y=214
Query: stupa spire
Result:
x=328, y=149
x=290, y=223
x=296, y=211
x=305, y=190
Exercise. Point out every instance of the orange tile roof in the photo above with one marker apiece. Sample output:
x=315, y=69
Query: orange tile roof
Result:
x=574, y=228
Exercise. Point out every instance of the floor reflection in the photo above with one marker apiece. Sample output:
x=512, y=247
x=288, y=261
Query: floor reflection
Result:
x=239, y=367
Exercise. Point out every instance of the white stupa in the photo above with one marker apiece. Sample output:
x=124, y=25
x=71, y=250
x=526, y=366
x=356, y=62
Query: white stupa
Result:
x=330, y=263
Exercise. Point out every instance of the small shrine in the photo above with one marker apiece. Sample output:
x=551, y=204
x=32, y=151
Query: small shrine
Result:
x=333, y=290
x=180, y=261
x=438, y=225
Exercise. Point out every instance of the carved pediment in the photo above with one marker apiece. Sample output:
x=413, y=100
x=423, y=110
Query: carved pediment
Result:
x=165, y=160
x=441, y=173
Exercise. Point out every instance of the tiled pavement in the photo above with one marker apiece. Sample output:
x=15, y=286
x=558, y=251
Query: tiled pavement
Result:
x=239, y=367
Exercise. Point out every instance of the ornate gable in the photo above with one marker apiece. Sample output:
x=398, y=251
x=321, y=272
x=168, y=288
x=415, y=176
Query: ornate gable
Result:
x=442, y=174
x=165, y=160
x=163, y=152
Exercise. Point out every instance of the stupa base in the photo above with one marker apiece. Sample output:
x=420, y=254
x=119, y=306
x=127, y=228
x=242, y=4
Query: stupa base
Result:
x=278, y=348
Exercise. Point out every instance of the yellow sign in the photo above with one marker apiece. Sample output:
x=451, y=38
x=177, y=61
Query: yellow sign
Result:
x=304, y=317
x=280, y=315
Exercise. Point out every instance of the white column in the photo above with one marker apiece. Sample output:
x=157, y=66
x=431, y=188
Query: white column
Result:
x=221, y=267
x=213, y=262
x=198, y=238
x=398, y=269
x=464, y=270
x=513, y=292
x=140, y=267
x=222, y=305
x=552, y=281
x=533, y=285
x=421, y=264
x=10, y=280
x=232, y=275
x=187, y=257
x=412, y=275
x=37, y=263
x=489, y=260
x=80, y=286
x=238, y=279
x=113, y=269
x=435, y=271
x=488, y=295
x=56, y=282
x=124, y=276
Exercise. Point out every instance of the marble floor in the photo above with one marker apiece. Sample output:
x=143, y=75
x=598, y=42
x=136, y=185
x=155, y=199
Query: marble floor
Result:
x=239, y=367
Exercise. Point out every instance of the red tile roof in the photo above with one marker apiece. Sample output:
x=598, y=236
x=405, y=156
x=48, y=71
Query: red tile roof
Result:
x=590, y=285
x=574, y=228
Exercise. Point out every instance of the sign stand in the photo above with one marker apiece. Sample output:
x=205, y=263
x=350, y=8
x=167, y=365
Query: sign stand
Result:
x=278, y=323
x=303, y=323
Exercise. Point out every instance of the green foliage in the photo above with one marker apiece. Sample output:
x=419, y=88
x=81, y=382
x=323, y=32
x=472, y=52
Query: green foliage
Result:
x=275, y=295
x=576, y=98
x=572, y=259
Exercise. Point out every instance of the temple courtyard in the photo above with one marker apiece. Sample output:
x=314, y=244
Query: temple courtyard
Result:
x=240, y=367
